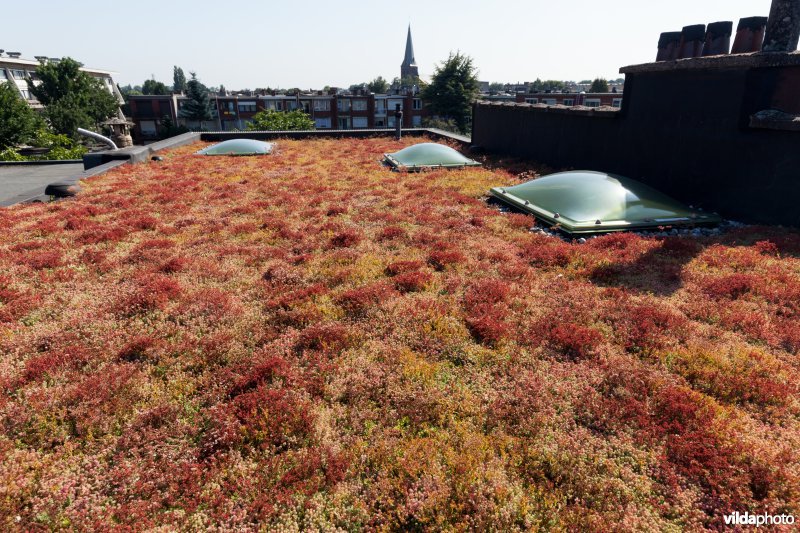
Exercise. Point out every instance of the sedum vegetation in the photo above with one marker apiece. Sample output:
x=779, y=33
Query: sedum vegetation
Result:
x=302, y=341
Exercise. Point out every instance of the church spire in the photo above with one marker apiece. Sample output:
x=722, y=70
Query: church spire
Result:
x=409, y=67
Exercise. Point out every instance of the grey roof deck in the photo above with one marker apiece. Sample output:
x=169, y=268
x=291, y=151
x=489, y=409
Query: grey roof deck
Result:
x=19, y=183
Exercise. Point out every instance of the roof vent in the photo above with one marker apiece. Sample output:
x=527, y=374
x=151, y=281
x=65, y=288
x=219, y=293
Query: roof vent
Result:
x=14, y=55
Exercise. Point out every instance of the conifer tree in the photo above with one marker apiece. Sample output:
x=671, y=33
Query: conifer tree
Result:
x=199, y=106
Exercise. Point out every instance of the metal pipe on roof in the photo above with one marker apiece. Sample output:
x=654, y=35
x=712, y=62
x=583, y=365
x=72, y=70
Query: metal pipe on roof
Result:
x=98, y=137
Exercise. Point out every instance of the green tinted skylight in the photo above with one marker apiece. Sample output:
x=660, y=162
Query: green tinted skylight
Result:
x=238, y=147
x=596, y=202
x=427, y=155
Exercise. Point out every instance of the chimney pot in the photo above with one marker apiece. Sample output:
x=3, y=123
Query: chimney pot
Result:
x=668, y=45
x=749, y=35
x=783, y=26
x=692, y=38
x=718, y=38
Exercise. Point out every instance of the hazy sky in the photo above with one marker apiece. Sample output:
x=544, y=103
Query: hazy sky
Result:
x=313, y=43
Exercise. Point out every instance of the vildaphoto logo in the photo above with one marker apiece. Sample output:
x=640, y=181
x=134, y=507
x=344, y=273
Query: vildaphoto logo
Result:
x=758, y=520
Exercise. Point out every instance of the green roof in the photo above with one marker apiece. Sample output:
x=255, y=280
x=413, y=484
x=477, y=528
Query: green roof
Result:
x=428, y=155
x=596, y=202
x=238, y=147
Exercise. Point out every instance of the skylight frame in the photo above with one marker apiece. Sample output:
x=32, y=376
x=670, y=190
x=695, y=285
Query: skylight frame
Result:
x=397, y=164
x=577, y=227
x=269, y=147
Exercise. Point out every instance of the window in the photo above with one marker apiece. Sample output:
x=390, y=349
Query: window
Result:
x=549, y=101
x=569, y=101
x=592, y=102
x=344, y=123
x=279, y=105
x=18, y=74
x=416, y=121
x=247, y=107
x=617, y=102
x=359, y=105
x=393, y=105
x=380, y=107
x=391, y=121
x=33, y=75
x=148, y=127
x=380, y=122
x=322, y=122
x=291, y=105
x=416, y=104
x=531, y=100
x=3, y=75
x=145, y=108
x=269, y=104
x=322, y=105
x=360, y=122
x=343, y=105
x=26, y=94
x=228, y=106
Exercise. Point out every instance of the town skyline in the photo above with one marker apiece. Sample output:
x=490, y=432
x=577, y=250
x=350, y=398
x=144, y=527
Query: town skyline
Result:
x=253, y=51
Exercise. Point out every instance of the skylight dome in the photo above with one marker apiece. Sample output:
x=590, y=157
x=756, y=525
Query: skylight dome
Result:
x=428, y=155
x=238, y=147
x=596, y=202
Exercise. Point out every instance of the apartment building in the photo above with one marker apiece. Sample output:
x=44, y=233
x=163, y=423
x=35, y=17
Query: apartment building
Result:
x=17, y=70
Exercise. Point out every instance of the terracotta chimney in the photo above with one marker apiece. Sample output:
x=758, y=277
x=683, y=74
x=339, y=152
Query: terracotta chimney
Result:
x=783, y=27
x=692, y=39
x=718, y=38
x=668, y=45
x=749, y=35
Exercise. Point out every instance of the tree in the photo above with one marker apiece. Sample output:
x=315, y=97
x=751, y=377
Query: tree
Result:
x=170, y=129
x=128, y=90
x=453, y=88
x=199, y=106
x=152, y=86
x=548, y=85
x=72, y=99
x=17, y=120
x=496, y=87
x=378, y=85
x=271, y=120
x=599, y=85
x=178, y=79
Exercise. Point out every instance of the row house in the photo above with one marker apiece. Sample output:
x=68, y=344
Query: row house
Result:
x=328, y=111
x=572, y=99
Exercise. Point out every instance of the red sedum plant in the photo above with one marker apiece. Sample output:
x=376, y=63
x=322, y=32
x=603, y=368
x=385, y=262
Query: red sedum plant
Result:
x=302, y=341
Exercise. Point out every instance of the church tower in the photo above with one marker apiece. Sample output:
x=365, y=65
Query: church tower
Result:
x=409, y=67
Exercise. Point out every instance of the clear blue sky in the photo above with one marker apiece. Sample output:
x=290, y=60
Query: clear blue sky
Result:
x=314, y=43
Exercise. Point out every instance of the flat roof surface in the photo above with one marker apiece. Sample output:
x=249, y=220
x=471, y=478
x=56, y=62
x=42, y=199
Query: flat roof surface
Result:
x=310, y=341
x=21, y=182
